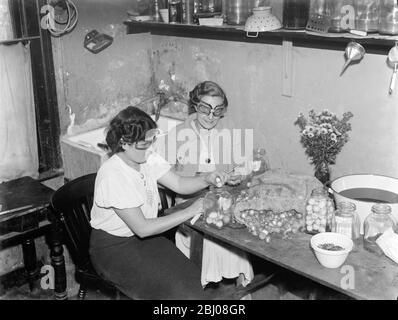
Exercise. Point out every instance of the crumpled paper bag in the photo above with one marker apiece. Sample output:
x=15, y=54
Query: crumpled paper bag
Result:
x=388, y=242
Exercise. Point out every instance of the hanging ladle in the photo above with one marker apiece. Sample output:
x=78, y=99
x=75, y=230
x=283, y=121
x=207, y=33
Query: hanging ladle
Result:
x=354, y=52
x=393, y=59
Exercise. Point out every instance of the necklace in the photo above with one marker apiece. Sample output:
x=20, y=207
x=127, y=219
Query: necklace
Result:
x=142, y=176
x=206, y=145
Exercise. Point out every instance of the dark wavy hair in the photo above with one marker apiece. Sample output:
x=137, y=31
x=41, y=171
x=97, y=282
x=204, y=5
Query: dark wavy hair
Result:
x=205, y=88
x=130, y=125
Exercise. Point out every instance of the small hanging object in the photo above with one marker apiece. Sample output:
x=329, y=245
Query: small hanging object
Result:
x=354, y=52
x=393, y=60
x=96, y=42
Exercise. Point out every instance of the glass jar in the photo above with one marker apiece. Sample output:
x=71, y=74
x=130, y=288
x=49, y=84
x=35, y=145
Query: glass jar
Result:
x=378, y=221
x=218, y=208
x=175, y=11
x=260, y=163
x=388, y=17
x=346, y=220
x=318, y=7
x=342, y=15
x=319, y=212
x=367, y=15
x=295, y=13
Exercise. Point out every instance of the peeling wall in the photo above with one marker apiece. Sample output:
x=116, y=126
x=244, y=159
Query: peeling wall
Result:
x=251, y=75
x=94, y=87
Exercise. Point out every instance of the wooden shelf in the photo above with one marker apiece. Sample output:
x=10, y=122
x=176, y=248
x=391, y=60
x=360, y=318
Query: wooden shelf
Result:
x=16, y=40
x=373, y=43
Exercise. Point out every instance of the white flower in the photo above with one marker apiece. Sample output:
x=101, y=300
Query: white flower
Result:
x=324, y=131
x=310, y=135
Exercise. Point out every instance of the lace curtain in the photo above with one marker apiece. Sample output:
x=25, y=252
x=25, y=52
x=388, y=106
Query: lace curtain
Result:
x=18, y=140
x=6, y=32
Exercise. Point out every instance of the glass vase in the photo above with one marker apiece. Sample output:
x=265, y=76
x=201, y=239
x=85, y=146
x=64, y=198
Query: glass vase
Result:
x=322, y=172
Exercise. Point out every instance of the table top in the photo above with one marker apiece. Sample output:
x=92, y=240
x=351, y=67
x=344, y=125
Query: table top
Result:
x=373, y=277
x=25, y=193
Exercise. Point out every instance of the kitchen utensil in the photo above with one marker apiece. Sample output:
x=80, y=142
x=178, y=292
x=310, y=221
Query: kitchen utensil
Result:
x=295, y=14
x=388, y=17
x=393, y=59
x=318, y=23
x=354, y=52
x=364, y=190
x=366, y=15
x=342, y=15
x=164, y=13
x=238, y=11
x=261, y=20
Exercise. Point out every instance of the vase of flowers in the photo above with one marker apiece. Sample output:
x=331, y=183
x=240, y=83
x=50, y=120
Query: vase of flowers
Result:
x=323, y=135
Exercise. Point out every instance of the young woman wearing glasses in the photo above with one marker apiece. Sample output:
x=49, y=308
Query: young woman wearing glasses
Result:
x=125, y=245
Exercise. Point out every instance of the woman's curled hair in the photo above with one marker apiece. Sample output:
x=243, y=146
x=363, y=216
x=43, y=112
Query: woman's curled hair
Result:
x=129, y=126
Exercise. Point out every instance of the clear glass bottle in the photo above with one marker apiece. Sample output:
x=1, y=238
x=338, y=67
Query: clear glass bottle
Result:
x=218, y=208
x=388, y=17
x=378, y=221
x=346, y=221
x=342, y=15
x=319, y=212
x=366, y=15
x=260, y=163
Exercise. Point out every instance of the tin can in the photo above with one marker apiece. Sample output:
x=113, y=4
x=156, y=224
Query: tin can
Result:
x=189, y=11
x=175, y=11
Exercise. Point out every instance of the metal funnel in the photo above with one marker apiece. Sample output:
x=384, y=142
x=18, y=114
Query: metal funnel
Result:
x=354, y=52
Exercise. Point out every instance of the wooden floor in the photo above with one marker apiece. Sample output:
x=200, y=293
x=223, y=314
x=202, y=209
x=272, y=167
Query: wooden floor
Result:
x=285, y=286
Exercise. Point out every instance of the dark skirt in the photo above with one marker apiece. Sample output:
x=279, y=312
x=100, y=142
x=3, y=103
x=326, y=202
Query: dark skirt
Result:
x=150, y=269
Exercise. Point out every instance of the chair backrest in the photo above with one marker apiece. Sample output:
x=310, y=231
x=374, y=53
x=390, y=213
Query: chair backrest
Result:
x=72, y=205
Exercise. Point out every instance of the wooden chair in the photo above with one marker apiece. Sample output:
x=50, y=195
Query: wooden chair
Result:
x=72, y=205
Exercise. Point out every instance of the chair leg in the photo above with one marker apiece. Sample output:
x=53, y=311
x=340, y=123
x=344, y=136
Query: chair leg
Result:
x=82, y=292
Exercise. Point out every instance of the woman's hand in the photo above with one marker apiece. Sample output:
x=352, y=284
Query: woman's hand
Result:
x=216, y=178
x=196, y=208
x=234, y=179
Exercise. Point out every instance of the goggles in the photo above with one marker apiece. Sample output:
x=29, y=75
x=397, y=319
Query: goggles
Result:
x=150, y=138
x=207, y=109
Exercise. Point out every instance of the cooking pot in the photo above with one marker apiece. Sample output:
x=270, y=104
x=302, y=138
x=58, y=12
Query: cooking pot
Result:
x=364, y=190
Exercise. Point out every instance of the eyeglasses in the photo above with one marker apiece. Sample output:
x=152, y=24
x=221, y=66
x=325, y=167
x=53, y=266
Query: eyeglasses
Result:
x=150, y=139
x=207, y=109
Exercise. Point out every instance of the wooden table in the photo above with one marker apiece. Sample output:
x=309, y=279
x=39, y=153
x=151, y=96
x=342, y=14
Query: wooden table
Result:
x=374, y=277
x=30, y=217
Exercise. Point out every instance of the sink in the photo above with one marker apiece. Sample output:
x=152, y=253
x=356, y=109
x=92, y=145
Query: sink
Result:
x=81, y=154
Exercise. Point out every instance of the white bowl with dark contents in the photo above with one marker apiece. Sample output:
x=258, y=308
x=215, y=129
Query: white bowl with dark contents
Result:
x=331, y=249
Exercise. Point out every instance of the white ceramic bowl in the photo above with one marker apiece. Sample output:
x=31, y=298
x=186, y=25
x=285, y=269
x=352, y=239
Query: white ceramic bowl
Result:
x=329, y=258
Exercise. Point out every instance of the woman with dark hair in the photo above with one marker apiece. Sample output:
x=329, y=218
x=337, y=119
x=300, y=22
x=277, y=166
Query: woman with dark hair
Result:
x=125, y=246
x=209, y=141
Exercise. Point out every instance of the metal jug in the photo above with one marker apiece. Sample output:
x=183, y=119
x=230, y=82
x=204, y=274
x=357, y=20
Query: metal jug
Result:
x=238, y=11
